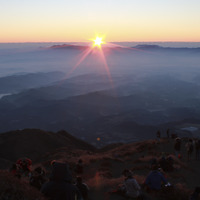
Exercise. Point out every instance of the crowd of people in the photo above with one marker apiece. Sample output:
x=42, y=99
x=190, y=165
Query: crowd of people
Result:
x=192, y=145
x=59, y=186
x=153, y=184
x=62, y=186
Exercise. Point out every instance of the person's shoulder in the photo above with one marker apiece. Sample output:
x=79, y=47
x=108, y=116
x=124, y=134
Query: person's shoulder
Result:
x=85, y=186
x=130, y=180
x=162, y=176
x=149, y=174
x=134, y=181
x=155, y=173
x=73, y=187
x=160, y=173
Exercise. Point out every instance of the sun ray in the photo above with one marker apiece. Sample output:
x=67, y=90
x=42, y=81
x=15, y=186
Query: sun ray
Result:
x=83, y=57
x=97, y=42
x=106, y=66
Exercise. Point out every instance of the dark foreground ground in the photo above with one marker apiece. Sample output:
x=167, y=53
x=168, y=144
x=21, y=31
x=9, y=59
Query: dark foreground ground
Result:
x=103, y=170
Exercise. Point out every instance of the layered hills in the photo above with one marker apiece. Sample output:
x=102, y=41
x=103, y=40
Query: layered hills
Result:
x=126, y=96
x=89, y=106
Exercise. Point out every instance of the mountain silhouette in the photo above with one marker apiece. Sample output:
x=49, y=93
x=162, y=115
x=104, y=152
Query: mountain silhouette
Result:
x=35, y=143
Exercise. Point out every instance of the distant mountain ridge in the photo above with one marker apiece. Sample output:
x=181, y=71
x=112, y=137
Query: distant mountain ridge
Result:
x=68, y=46
x=158, y=47
x=140, y=46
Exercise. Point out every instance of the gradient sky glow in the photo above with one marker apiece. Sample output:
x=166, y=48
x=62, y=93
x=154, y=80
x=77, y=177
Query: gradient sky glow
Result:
x=118, y=20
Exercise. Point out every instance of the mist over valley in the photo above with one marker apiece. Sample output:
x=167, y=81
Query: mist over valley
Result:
x=127, y=97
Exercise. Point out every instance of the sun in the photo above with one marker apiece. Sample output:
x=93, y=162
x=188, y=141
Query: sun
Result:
x=98, y=41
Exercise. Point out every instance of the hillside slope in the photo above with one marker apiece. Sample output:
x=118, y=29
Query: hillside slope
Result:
x=102, y=167
x=34, y=143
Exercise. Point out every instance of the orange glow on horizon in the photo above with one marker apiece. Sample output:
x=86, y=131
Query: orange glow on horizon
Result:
x=166, y=21
x=114, y=36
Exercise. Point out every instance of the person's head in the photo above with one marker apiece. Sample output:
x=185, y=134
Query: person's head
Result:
x=160, y=170
x=154, y=167
x=169, y=158
x=39, y=170
x=163, y=154
x=154, y=161
x=127, y=173
x=14, y=166
x=80, y=161
x=53, y=162
x=61, y=171
x=24, y=162
x=79, y=179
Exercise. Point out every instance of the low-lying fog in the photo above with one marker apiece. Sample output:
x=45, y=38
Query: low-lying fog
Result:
x=127, y=91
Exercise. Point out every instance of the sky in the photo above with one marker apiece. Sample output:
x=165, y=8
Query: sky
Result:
x=116, y=20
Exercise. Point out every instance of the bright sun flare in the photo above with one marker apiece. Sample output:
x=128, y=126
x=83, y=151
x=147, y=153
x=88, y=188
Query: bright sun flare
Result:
x=98, y=41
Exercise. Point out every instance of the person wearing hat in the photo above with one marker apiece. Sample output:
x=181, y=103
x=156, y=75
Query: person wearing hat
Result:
x=60, y=185
x=155, y=179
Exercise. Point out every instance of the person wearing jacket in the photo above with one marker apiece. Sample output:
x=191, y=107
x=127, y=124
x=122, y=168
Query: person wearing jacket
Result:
x=60, y=185
x=132, y=188
x=155, y=179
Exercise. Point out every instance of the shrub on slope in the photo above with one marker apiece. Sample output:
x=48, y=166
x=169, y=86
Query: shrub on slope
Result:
x=15, y=189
